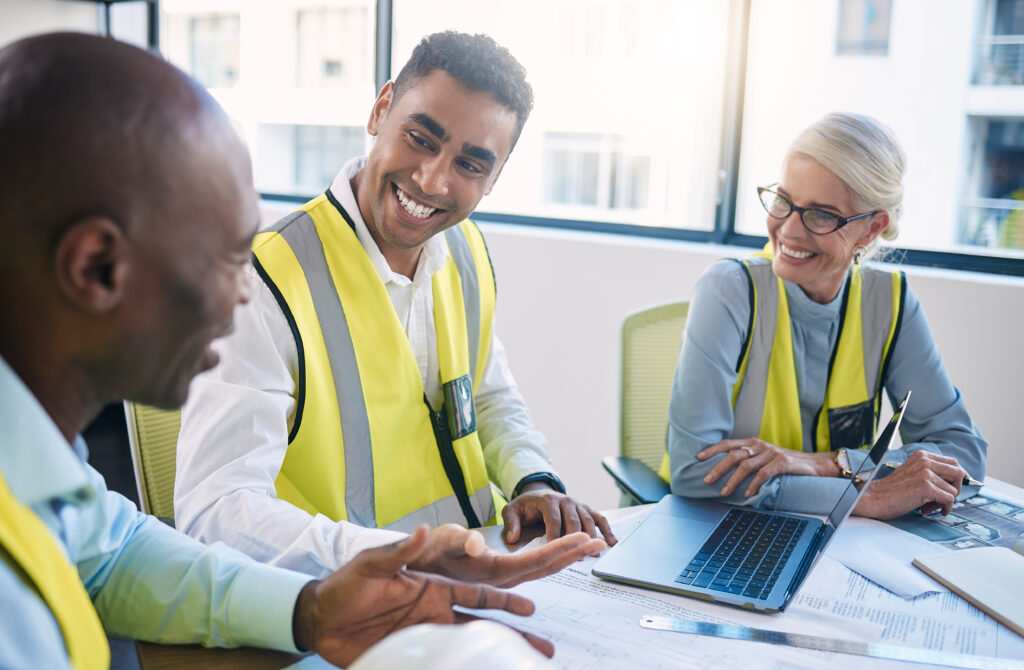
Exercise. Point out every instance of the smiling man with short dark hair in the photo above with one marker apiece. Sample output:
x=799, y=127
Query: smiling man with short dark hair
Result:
x=365, y=386
x=127, y=213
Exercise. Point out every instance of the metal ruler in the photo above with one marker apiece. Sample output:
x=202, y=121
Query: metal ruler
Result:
x=887, y=651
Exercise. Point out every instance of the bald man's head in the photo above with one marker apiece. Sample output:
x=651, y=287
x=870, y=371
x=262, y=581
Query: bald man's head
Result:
x=94, y=126
x=127, y=209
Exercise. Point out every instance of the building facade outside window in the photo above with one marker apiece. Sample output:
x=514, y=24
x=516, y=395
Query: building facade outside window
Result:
x=1001, y=45
x=633, y=102
x=321, y=150
x=594, y=170
x=303, y=85
x=864, y=27
x=994, y=214
x=333, y=49
x=214, y=49
x=628, y=119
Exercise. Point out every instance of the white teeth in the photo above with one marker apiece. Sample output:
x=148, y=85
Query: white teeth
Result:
x=789, y=251
x=413, y=207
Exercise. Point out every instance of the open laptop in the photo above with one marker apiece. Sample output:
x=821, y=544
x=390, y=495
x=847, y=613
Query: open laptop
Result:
x=736, y=555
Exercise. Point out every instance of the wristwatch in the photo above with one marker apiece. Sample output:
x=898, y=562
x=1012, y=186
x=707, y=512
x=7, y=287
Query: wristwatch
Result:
x=544, y=477
x=841, y=457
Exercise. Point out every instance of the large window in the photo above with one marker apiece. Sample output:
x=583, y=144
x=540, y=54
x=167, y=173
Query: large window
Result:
x=628, y=119
x=295, y=76
x=656, y=117
x=956, y=135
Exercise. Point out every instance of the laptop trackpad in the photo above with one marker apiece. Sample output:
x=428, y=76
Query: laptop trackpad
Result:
x=657, y=550
x=672, y=535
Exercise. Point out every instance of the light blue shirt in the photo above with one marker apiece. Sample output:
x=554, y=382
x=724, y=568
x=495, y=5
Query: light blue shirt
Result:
x=146, y=580
x=700, y=412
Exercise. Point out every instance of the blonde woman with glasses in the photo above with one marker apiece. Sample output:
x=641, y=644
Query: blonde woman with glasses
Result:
x=787, y=353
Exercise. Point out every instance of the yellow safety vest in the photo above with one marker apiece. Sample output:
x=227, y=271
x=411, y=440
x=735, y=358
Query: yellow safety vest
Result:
x=365, y=445
x=765, y=397
x=31, y=546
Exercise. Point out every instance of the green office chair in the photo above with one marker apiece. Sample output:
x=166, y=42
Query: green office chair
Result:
x=153, y=436
x=650, y=350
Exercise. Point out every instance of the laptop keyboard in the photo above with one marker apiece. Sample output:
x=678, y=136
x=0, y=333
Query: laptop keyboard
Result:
x=745, y=554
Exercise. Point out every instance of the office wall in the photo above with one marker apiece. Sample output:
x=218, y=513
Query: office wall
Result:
x=562, y=296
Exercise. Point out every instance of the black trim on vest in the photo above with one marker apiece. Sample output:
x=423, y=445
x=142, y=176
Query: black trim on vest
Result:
x=341, y=210
x=745, y=349
x=832, y=357
x=439, y=422
x=895, y=335
x=300, y=399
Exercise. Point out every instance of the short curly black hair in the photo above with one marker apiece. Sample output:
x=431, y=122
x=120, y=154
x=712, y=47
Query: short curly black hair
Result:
x=478, y=62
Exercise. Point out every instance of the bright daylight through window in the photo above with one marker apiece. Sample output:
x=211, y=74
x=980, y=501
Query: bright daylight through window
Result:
x=634, y=100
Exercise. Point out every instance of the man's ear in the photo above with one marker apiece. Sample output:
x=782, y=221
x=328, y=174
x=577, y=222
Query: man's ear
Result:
x=380, y=108
x=91, y=261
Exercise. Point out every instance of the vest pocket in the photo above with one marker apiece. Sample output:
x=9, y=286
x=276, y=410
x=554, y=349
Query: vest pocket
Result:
x=852, y=426
x=459, y=406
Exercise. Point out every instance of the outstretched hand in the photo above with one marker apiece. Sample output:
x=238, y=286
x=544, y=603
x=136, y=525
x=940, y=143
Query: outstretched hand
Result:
x=374, y=594
x=927, y=481
x=561, y=515
x=456, y=552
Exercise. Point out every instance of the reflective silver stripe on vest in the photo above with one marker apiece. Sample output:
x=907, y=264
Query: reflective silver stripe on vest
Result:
x=299, y=231
x=355, y=426
x=750, y=400
x=463, y=257
x=876, y=321
x=446, y=510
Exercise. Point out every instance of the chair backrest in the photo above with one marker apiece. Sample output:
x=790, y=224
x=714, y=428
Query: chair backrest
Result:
x=650, y=350
x=153, y=436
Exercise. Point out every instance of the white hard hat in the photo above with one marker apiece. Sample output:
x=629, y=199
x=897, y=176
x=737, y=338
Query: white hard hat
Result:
x=470, y=646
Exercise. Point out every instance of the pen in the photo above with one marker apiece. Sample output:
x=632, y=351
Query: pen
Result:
x=968, y=480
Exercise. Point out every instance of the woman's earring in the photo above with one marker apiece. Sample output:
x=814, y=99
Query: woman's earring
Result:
x=858, y=254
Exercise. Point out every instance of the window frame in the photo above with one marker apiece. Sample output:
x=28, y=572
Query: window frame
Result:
x=724, y=225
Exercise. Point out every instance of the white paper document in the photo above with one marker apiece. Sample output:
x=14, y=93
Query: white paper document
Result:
x=940, y=621
x=595, y=624
x=883, y=554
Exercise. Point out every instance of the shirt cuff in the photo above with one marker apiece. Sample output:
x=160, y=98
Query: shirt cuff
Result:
x=809, y=495
x=262, y=607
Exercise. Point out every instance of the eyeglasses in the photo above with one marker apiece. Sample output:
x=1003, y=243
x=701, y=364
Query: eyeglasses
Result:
x=815, y=221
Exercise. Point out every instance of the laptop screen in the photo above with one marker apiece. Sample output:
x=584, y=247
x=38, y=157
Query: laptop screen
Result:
x=875, y=457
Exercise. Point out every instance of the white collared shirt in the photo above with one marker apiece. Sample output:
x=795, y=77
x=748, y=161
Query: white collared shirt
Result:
x=236, y=422
x=413, y=299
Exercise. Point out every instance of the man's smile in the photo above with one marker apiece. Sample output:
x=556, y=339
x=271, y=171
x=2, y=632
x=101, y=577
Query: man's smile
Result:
x=413, y=207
